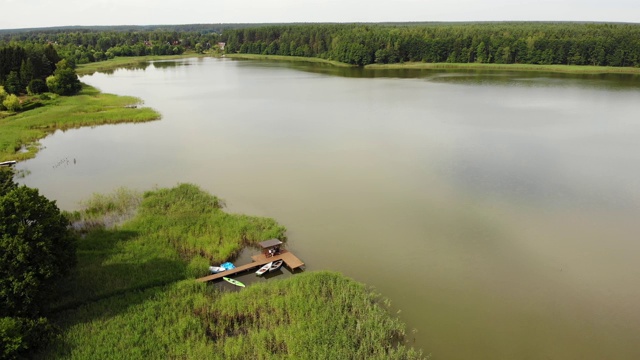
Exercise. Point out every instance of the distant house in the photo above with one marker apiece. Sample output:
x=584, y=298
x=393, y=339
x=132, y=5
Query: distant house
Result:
x=221, y=45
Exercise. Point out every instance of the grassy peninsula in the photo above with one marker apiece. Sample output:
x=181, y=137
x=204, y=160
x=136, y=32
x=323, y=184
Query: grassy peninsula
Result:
x=288, y=58
x=20, y=132
x=133, y=294
x=129, y=61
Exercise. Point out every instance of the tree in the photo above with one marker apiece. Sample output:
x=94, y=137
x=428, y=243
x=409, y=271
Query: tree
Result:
x=36, y=86
x=13, y=84
x=64, y=80
x=11, y=103
x=6, y=181
x=3, y=95
x=36, y=248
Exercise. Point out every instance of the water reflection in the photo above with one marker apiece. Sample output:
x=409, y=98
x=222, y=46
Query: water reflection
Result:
x=609, y=81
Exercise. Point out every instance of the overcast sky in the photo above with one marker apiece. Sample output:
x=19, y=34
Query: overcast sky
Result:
x=44, y=13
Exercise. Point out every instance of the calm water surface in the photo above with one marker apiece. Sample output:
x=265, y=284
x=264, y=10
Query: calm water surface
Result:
x=498, y=212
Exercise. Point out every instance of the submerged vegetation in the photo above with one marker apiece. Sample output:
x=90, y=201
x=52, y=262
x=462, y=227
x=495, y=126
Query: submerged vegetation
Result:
x=49, y=112
x=133, y=294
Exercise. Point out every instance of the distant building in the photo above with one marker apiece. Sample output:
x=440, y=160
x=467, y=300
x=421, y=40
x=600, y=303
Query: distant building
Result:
x=221, y=45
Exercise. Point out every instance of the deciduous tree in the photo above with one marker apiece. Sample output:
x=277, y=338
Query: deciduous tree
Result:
x=36, y=248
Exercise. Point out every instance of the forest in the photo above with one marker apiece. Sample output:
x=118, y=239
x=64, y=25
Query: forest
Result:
x=500, y=43
x=540, y=43
x=82, y=45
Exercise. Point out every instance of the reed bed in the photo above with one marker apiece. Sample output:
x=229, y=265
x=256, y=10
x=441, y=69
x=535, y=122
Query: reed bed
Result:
x=133, y=294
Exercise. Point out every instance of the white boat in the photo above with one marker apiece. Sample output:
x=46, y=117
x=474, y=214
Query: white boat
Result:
x=275, y=265
x=8, y=163
x=264, y=268
x=216, y=269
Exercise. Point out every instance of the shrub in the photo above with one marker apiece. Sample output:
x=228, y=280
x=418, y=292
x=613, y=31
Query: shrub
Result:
x=36, y=86
x=11, y=103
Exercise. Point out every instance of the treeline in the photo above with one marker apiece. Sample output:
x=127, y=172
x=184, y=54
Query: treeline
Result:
x=33, y=69
x=21, y=66
x=500, y=43
x=81, y=46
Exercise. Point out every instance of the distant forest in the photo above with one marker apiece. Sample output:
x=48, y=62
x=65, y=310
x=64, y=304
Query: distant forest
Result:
x=357, y=44
x=499, y=43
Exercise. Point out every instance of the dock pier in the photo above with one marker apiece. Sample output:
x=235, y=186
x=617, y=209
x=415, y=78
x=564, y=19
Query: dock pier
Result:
x=290, y=260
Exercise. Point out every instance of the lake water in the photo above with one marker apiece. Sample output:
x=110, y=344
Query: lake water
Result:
x=499, y=212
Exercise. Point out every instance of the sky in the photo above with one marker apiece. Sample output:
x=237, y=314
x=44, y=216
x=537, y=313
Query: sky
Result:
x=46, y=13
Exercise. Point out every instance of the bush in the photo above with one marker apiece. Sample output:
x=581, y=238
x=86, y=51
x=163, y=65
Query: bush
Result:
x=3, y=95
x=11, y=103
x=36, y=86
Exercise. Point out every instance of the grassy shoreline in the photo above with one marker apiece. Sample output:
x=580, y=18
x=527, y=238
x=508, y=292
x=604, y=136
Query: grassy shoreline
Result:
x=19, y=133
x=140, y=276
x=571, y=69
x=126, y=61
x=287, y=58
x=120, y=62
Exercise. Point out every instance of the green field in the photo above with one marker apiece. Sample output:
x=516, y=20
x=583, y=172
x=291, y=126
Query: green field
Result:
x=20, y=132
x=133, y=294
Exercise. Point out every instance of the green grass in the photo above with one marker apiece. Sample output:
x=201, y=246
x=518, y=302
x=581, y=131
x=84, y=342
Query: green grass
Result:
x=129, y=61
x=573, y=69
x=88, y=108
x=133, y=295
x=287, y=58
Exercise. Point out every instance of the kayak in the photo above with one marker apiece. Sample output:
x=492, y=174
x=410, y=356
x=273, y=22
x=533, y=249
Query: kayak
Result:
x=276, y=265
x=232, y=281
x=216, y=269
x=264, y=269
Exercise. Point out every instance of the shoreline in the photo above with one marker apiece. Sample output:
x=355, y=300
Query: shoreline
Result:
x=567, y=69
x=125, y=61
x=20, y=133
x=121, y=62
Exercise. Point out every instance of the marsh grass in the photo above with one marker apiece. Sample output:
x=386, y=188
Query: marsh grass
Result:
x=89, y=108
x=106, y=211
x=133, y=294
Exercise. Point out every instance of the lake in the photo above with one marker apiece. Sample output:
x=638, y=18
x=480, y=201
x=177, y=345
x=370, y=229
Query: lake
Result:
x=497, y=211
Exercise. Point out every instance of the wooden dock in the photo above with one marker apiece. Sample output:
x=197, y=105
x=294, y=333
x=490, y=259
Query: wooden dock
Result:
x=290, y=260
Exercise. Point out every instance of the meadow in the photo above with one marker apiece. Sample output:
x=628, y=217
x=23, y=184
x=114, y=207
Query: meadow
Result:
x=20, y=132
x=134, y=294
